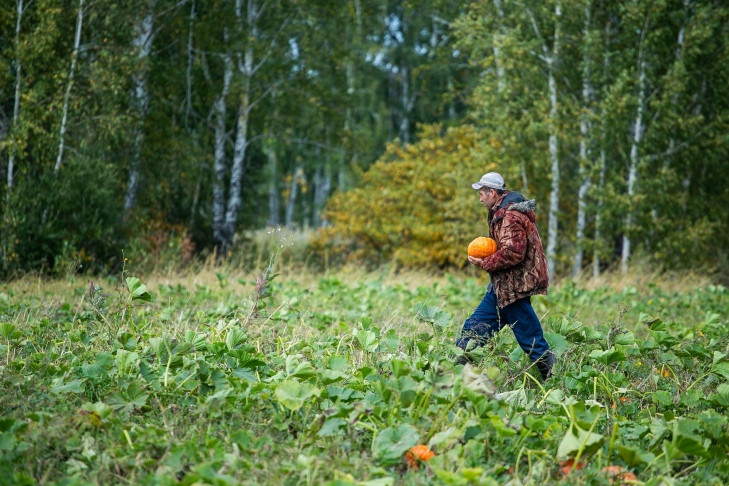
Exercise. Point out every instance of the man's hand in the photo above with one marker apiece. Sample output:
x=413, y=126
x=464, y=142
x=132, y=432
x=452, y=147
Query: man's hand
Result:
x=475, y=261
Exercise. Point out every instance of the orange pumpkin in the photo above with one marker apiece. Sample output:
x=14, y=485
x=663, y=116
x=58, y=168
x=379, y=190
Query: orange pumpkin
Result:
x=482, y=247
x=418, y=453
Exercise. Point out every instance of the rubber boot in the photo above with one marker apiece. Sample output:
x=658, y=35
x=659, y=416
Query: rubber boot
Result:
x=464, y=359
x=545, y=365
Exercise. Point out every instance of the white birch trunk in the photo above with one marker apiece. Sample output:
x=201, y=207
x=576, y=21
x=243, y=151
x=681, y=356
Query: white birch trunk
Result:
x=245, y=69
x=274, y=204
x=603, y=160
x=553, y=148
x=405, y=101
x=140, y=98
x=16, y=103
x=498, y=39
x=585, y=156
x=322, y=187
x=219, y=163
x=634, y=158
x=598, y=213
x=297, y=176
x=67, y=94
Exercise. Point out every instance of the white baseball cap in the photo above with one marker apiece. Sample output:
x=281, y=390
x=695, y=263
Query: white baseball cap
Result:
x=492, y=180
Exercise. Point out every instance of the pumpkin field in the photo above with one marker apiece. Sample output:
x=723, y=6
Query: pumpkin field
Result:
x=348, y=378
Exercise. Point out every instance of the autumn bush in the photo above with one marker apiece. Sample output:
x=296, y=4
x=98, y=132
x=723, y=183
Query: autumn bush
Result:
x=415, y=206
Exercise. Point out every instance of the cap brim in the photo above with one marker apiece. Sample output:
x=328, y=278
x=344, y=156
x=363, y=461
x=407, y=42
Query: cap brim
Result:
x=477, y=185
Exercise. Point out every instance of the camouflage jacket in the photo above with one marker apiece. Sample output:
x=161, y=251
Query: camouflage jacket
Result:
x=518, y=268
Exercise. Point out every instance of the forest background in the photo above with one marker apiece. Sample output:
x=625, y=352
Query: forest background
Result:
x=151, y=128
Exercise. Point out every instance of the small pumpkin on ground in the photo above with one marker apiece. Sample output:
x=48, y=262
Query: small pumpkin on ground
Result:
x=482, y=247
x=416, y=454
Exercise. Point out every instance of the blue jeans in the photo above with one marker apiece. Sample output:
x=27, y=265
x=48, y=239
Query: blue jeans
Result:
x=488, y=319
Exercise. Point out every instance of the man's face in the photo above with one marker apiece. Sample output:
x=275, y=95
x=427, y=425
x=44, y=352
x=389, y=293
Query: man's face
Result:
x=487, y=197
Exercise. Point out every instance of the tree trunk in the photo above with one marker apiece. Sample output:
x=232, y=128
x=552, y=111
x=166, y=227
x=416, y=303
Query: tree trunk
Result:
x=603, y=160
x=16, y=103
x=553, y=147
x=67, y=94
x=274, y=204
x=406, y=105
x=585, y=155
x=245, y=69
x=322, y=187
x=297, y=176
x=498, y=39
x=638, y=129
x=220, y=239
x=598, y=213
x=140, y=99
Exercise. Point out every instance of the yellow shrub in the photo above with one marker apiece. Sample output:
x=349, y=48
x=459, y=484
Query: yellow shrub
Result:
x=415, y=206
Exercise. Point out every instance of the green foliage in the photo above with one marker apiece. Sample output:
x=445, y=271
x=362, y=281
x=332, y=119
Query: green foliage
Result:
x=344, y=378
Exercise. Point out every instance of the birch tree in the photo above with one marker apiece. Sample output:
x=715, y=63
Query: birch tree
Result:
x=222, y=240
x=603, y=142
x=142, y=44
x=19, y=9
x=585, y=153
x=274, y=204
x=637, y=132
x=246, y=70
x=69, y=84
x=551, y=58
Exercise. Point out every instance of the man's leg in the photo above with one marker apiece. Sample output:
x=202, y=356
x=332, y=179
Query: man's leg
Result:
x=482, y=324
x=528, y=331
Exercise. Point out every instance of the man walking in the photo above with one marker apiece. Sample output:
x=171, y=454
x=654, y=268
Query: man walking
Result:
x=518, y=270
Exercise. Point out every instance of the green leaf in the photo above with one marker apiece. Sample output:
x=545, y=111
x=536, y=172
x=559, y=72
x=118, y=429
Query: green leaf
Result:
x=432, y=314
x=9, y=331
x=721, y=369
x=234, y=338
x=663, y=398
x=126, y=361
x=634, y=456
x=445, y=439
x=338, y=363
x=557, y=342
x=101, y=408
x=7, y=441
x=99, y=369
x=608, y=356
x=393, y=442
x=448, y=477
x=686, y=441
x=332, y=426
x=577, y=439
x=292, y=394
x=367, y=340
x=399, y=368
x=722, y=395
x=625, y=338
x=75, y=386
x=138, y=290
x=217, y=398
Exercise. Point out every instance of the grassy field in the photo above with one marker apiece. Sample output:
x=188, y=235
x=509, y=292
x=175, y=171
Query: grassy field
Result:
x=219, y=377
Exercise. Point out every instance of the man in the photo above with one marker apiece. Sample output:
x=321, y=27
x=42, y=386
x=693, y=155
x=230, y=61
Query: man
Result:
x=518, y=270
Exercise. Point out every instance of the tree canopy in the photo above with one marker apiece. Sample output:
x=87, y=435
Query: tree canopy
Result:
x=155, y=123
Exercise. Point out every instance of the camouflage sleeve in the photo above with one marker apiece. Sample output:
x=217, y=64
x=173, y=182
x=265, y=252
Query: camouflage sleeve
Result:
x=512, y=240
